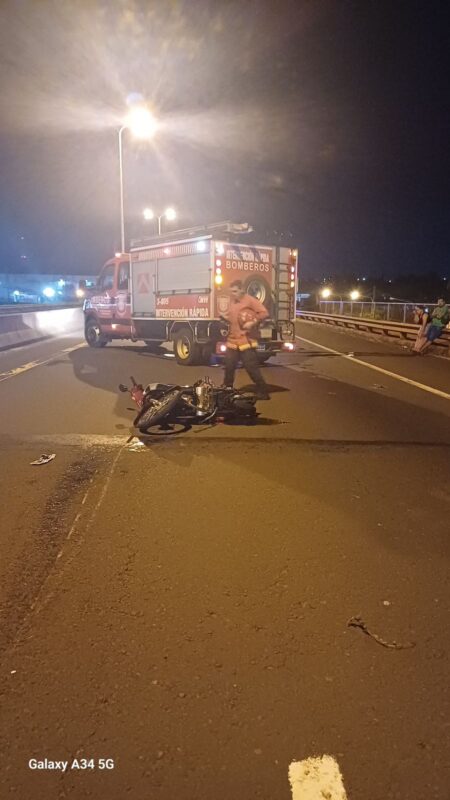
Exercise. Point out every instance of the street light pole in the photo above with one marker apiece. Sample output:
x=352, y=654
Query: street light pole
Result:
x=122, y=216
x=169, y=214
x=142, y=125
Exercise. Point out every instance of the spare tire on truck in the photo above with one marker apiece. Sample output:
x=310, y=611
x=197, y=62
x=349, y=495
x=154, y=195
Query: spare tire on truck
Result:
x=257, y=286
x=186, y=349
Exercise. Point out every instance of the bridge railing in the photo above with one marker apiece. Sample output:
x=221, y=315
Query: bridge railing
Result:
x=385, y=328
x=391, y=311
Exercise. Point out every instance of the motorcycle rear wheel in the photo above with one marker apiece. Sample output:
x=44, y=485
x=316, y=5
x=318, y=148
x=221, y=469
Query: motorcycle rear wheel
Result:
x=156, y=414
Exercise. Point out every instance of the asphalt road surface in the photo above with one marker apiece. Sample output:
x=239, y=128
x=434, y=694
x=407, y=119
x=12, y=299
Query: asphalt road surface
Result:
x=179, y=606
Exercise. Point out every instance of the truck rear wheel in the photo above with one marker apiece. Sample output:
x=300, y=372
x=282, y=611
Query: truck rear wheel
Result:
x=93, y=335
x=186, y=350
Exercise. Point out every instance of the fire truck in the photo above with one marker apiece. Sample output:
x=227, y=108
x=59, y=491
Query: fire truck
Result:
x=176, y=289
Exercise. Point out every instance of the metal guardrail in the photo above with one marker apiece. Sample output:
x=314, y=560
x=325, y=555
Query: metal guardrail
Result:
x=395, y=330
x=392, y=311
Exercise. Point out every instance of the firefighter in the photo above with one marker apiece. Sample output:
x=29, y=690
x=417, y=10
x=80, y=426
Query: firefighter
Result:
x=244, y=315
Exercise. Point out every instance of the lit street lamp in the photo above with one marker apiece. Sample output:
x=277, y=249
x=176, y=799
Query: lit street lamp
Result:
x=143, y=125
x=326, y=293
x=169, y=214
x=354, y=295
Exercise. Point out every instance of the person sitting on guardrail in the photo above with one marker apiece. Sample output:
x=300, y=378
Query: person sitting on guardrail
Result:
x=439, y=320
x=422, y=318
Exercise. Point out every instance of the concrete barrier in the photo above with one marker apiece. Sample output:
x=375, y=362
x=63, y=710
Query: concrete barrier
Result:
x=33, y=326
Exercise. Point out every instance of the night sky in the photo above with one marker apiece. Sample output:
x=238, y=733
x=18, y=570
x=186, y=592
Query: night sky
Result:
x=326, y=121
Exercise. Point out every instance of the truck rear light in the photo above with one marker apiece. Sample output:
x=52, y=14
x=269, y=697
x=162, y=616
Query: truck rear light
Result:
x=218, y=262
x=288, y=346
x=222, y=348
x=292, y=284
x=218, y=279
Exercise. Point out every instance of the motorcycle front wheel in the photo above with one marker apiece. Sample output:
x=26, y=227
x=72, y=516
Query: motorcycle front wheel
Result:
x=157, y=413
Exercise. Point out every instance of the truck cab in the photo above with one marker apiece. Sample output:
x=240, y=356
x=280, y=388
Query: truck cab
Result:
x=107, y=310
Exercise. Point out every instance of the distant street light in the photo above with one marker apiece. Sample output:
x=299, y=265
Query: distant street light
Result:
x=354, y=295
x=326, y=293
x=142, y=125
x=169, y=214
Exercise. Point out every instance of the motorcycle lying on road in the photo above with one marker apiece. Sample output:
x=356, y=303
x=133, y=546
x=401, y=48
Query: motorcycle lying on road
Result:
x=166, y=405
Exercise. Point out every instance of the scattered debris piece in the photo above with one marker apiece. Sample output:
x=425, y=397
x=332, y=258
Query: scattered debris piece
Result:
x=386, y=602
x=378, y=386
x=136, y=446
x=43, y=459
x=357, y=622
x=332, y=393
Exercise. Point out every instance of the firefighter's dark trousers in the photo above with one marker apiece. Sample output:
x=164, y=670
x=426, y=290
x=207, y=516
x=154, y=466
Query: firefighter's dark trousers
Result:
x=250, y=361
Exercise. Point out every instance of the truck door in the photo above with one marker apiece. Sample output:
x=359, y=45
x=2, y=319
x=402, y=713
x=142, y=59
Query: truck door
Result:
x=122, y=309
x=103, y=300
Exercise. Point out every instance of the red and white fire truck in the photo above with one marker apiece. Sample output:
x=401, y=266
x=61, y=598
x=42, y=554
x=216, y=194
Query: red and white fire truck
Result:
x=176, y=290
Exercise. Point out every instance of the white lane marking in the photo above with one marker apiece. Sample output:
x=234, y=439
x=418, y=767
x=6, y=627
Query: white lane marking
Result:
x=316, y=779
x=387, y=372
x=12, y=373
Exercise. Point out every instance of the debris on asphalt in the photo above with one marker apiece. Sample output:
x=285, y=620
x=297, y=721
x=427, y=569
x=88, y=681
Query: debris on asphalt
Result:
x=357, y=622
x=43, y=459
x=386, y=602
x=351, y=355
x=136, y=446
x=378, y=386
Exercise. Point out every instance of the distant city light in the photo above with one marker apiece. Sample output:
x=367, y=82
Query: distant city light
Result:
x=148, y=214
x=326, y=293
x=49, y=292
x=354, y=294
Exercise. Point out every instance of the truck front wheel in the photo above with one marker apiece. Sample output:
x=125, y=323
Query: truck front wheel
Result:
x=93, y=335
x=186, y=350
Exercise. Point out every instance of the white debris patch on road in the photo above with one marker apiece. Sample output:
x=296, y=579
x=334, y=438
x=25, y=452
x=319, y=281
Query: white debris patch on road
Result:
x=316, y=779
